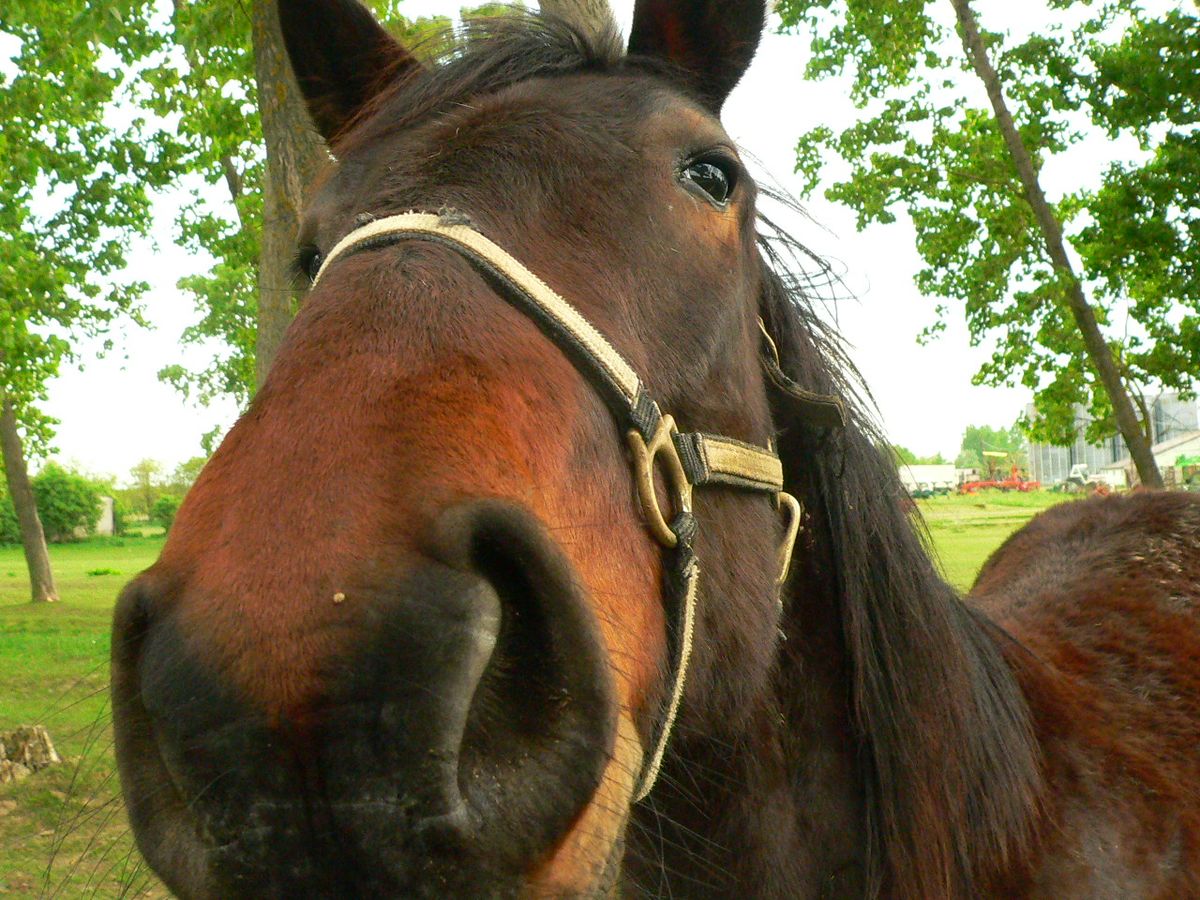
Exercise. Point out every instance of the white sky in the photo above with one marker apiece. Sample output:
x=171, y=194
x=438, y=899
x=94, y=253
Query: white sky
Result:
x=116, y=412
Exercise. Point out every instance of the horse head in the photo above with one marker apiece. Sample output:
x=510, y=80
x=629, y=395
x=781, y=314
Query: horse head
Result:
x=410, y=634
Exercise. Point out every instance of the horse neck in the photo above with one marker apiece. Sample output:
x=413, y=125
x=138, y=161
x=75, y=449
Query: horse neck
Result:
x=893, y=756
x=775, y=810
x=898, y=695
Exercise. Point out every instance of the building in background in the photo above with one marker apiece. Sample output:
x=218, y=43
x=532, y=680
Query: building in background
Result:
x=1177, y=458
x=1170, y=418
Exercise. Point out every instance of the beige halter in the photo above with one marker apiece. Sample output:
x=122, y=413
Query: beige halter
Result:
x=687, y=460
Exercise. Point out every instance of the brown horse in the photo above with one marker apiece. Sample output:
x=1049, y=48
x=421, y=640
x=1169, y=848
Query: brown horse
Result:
x=411, y=634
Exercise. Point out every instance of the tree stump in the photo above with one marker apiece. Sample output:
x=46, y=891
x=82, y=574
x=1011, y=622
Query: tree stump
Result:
x=25, y=751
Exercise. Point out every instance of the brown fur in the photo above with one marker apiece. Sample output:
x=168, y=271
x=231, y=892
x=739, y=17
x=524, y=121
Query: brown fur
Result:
x=1038, y=740
x=1103, y=595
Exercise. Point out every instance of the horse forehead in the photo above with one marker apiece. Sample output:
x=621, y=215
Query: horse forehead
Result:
x=591, y=116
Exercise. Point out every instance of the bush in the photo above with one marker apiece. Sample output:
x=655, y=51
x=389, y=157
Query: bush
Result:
x=66, y=502
x=10, y=529
x=121, y=515
x=164, y=509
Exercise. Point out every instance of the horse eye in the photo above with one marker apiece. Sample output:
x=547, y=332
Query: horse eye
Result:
x=716, y=176
x=308, y=261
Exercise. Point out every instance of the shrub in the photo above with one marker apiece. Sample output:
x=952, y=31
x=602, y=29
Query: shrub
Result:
x=66, y=502
x=121, y=515
x=164, y=509
x=10, y=529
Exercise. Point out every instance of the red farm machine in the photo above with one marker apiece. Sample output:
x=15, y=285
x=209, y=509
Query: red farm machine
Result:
x=996, y=480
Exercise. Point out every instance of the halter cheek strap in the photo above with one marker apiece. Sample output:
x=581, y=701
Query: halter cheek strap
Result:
x=686, y=460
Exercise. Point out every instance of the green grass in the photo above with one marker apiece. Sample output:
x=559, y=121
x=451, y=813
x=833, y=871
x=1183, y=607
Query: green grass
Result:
x=966, y=529
x=63, y=831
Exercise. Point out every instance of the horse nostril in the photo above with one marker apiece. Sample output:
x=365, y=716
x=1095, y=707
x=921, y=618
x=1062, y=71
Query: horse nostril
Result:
x=526, y=678
x=544, y=710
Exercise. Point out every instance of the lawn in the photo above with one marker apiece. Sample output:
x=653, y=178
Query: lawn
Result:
x=966, y=529
x=63, y=831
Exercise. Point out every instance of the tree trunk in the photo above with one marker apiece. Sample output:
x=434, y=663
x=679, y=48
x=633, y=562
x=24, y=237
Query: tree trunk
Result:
x=294, y=153
x=1098, y=351
x=37, y=558
x=592, y=17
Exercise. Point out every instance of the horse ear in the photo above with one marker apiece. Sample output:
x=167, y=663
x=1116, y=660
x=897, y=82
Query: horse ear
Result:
x=712, y=41
x=341, y=56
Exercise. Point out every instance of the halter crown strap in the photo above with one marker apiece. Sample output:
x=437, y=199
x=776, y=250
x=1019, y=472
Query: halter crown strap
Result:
x=685, y=460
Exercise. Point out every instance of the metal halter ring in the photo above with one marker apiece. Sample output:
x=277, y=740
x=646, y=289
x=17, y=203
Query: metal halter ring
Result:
x=790, y=507
x=645, y=455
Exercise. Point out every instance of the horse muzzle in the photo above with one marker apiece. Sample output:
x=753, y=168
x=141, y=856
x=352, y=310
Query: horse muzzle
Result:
x=446, y=754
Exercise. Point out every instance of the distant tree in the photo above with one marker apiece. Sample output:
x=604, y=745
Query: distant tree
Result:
x=185, y=475
x=74, y=183
x=968, y=459
x=906, y=457
x=145, y=480
x=164, y=509
x=970, y=179
x=120, y=513
x=978, y=438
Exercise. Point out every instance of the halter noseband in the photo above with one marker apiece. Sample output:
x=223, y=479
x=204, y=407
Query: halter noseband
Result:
x=686, y=459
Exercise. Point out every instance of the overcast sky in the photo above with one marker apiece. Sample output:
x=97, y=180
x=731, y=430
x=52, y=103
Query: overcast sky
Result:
x=116, y=412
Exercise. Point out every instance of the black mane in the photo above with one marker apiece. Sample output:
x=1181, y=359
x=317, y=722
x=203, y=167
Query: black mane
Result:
x=950, y=763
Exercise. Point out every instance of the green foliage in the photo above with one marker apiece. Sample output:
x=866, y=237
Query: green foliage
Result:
x=163, y=512
x=1144, y=233
x=75, y=177
x=66, y=502
x=978, y=438
x=968, y=459
x=120, y=514
x=185, y=475
x=925, y=146
x=209, y=89
x=145, y=481
x=907, y=457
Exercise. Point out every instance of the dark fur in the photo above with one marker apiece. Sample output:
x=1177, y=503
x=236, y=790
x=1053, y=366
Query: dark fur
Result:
x=899, y=742
x=921, y=662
